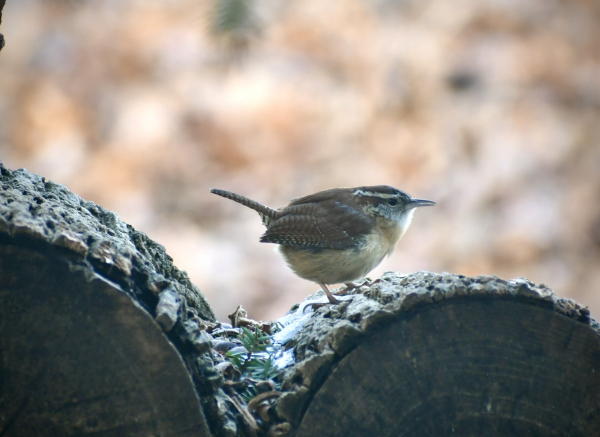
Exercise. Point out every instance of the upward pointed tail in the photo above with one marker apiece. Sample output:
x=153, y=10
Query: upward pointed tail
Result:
x=267, y=214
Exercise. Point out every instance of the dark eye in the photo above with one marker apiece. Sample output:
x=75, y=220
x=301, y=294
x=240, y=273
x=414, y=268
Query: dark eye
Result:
x=392, y=202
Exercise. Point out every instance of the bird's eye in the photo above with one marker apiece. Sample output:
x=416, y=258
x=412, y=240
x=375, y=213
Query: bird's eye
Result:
x=392, y=202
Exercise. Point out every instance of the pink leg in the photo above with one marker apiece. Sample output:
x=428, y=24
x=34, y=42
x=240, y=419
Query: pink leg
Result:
x=332, y=299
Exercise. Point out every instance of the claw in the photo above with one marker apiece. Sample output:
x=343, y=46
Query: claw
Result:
x=352, y=286
x=330, y=297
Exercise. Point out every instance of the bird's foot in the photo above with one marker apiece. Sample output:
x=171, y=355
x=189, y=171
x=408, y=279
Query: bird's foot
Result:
x=330, y=297
x=352, y=286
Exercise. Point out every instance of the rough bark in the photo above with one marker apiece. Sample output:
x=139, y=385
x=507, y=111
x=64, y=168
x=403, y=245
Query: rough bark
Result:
x=80, y=352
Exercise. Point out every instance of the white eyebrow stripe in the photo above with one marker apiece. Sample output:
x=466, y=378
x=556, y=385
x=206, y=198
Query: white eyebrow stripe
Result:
x=373, y=194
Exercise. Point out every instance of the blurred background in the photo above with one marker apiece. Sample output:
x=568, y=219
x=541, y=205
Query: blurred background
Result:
x=489, y=107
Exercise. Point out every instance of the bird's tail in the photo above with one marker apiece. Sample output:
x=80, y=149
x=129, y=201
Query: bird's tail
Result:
x=266, y=214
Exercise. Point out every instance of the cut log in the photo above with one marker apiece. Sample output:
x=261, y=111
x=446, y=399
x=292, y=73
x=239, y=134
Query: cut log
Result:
x=79, y=357
x=80, y=351
x=100, y=334
x=441, y=355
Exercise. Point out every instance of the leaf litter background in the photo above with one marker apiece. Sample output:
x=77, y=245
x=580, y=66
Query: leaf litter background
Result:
x=491, y=108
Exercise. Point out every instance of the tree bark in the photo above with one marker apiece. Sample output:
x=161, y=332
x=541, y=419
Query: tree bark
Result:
x=80, y=351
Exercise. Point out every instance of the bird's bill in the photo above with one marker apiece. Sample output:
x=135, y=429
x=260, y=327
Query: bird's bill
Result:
x=415, y=203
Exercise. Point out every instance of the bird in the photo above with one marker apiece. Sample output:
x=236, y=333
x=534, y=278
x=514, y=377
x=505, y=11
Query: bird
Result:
x=338, y=235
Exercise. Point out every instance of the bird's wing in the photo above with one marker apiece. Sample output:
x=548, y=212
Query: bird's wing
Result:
x=318, y=221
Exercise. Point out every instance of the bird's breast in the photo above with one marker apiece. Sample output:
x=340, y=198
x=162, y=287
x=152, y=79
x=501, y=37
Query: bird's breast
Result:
x=336, y=266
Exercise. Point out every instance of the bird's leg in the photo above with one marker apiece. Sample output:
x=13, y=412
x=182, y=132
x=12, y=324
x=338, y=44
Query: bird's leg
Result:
x=330, y=297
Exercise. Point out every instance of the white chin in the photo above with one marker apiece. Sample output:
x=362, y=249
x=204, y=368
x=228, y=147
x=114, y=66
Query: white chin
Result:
x=405, y=220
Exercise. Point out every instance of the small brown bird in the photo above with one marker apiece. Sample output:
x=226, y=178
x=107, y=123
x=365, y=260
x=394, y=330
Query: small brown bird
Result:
x=338, y=235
